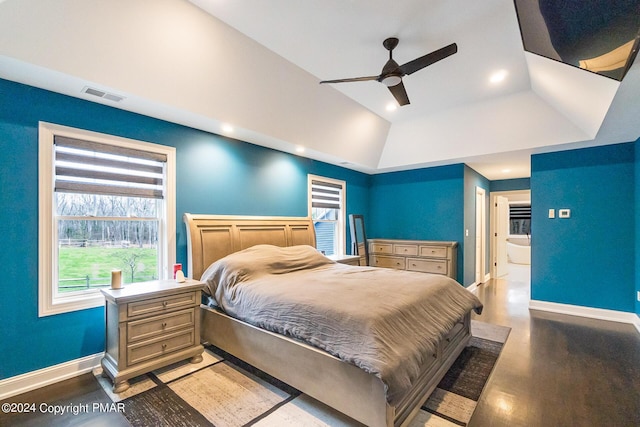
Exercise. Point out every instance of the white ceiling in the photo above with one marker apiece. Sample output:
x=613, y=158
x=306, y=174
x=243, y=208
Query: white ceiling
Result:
x=257, y=64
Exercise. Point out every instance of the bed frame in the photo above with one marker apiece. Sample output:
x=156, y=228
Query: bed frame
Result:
x=338, y=384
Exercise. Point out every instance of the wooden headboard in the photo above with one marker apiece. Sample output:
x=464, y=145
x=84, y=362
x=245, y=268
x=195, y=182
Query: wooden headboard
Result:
x=211, y=237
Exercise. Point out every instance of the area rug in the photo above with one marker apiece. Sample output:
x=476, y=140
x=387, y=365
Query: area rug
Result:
x=223, y=391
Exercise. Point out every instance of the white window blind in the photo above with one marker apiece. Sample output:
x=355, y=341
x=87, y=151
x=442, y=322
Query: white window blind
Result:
x=95, y=168
x=326, y=195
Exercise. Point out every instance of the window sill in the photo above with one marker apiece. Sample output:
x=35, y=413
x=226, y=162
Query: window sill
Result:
x=64, y=304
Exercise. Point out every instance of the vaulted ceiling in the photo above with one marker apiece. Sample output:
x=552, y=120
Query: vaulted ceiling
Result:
x=256, y=65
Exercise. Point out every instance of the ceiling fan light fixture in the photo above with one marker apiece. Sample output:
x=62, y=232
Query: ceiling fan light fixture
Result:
x=391, y=80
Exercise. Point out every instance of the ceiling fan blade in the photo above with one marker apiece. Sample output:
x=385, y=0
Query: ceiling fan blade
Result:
x=428, y=59
x=400, y=94
x=354, y=79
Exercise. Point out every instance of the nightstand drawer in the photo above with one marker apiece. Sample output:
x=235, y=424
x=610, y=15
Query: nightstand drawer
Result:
x=157, y=347
x=159, y=305
x=433, y=251
x=427, y=266
x=148, y=328
x=388, y=262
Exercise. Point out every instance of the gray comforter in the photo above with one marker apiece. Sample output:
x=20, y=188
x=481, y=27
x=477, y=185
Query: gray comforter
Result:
x=383, y=321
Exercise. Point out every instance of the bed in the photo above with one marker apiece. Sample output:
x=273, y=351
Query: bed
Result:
x=358, y=392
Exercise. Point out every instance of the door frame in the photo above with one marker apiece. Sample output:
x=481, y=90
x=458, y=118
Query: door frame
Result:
x=480, y=237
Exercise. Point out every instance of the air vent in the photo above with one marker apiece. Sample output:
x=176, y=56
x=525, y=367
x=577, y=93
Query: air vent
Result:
x=101, y=94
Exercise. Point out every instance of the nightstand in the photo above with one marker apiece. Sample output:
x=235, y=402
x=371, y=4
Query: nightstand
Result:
x=150, y=325
x=345, y=259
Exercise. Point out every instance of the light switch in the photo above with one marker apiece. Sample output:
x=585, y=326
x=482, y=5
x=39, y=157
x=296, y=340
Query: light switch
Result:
x=564, y=213
x=552, y=213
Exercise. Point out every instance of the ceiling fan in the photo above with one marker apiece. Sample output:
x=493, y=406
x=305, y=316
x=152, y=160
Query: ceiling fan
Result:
x=392, y=73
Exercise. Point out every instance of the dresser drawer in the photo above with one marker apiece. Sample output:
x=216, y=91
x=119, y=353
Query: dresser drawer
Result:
x=405, y=249
x=163, y=304
x=388, y=262
x=427, y=265
x=151, y=349
x=148, y=328
x=433, y=251
x=381, y=248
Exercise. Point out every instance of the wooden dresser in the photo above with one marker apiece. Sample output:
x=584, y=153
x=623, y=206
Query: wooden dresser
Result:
x=150, y=325
x=425, y=256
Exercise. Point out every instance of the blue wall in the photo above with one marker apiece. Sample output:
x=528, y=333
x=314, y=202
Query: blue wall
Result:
x=215, y=175
x=423, y=204
x=510, y=184
x=588, y=259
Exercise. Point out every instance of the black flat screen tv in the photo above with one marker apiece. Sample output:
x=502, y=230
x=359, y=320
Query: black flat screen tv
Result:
x=601, y=36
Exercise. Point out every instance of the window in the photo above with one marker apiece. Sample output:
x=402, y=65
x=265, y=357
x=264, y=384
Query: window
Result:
x=327, y=209
x=105, y=203
x=520, y=218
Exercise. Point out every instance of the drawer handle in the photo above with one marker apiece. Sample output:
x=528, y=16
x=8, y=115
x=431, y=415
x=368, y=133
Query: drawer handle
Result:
x=164, y=347
x=405, y=249
x=439, y=267
x=164, y=325
x=413, y=265
x=165, y=303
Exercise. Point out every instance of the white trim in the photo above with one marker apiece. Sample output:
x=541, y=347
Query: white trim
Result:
x=473, y=287
x=593, y=313
x=46, y=376
x=480, y=219
x=48, y=302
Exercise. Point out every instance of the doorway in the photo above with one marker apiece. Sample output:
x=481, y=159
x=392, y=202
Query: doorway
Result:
x=510, y=245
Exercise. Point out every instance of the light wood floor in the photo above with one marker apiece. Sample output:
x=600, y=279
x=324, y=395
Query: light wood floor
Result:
x=554, y=371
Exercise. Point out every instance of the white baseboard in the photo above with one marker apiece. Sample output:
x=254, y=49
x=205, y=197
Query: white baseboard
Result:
x=593, y=313
x=487, y=277
x=52, y=374
x=472, y=287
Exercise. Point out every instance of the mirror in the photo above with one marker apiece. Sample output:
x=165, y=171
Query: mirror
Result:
x=359, y=239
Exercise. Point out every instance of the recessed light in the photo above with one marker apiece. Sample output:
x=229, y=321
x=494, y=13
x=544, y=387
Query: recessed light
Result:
x=498, y=76
x=299, y=149
x=227, y=128
x=506, y=170
x=392, y=106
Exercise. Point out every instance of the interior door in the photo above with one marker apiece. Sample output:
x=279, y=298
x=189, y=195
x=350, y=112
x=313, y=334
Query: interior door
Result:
x=502, y=232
